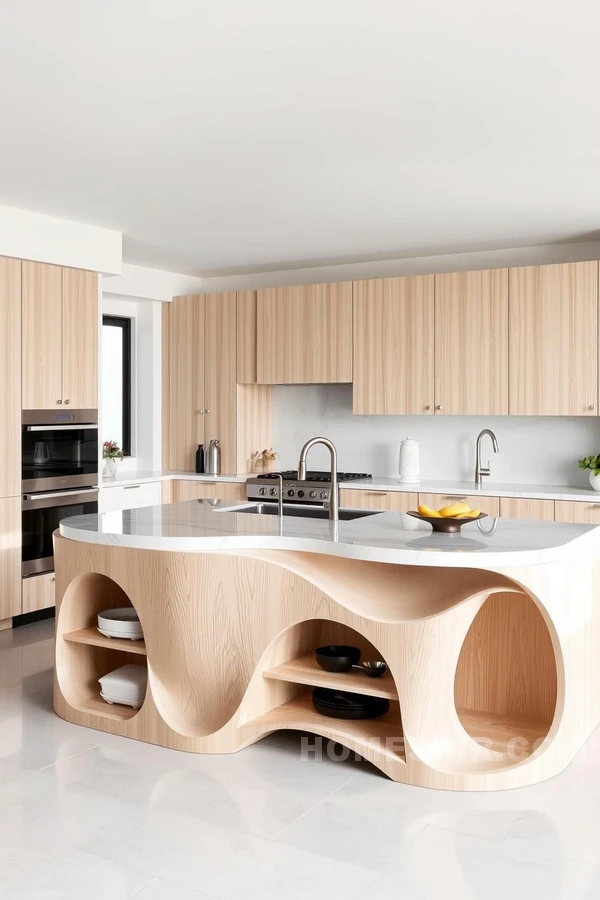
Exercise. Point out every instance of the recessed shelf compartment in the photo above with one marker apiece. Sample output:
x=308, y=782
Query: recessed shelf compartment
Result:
x=503, y=733
x=96, y=706
x=93, y=638
x=305, y=670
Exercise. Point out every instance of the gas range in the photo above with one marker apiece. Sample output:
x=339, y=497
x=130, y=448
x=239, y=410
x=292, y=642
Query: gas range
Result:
x=315, y=490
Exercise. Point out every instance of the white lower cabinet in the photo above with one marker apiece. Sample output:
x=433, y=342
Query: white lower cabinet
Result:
x=115, y=498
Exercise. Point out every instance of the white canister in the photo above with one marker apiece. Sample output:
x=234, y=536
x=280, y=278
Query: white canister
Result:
x=409, y=462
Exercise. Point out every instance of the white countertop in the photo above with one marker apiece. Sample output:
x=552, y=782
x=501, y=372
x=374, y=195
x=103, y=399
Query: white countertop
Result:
x=382, y=483
x=198, y=526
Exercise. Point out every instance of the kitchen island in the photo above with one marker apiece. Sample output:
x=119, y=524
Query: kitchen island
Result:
x=491, y=636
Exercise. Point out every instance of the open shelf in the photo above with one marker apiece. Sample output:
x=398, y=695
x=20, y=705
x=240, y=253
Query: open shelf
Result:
x=497, y=731
x=384, y=732
x=93, y=638
x=306, y=670
x=96, y=706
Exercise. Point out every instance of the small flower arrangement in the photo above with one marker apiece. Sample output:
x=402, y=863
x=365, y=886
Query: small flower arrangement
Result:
x=111, y=450
x=592, y=463
x=265, y=461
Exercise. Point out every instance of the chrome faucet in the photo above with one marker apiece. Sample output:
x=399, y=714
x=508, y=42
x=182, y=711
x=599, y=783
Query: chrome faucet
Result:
x=334, y=497
x=479, y=471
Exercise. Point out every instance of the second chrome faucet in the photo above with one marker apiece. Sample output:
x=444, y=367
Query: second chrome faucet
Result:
x=480, y=471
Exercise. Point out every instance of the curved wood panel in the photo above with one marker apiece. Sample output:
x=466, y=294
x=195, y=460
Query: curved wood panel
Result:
x=216, y=624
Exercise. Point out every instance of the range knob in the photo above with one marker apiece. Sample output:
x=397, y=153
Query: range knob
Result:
x=312, y=495
x=291, y=493
x=323, y=495
x=262, y=492
x=301, y=493
x=273, y=492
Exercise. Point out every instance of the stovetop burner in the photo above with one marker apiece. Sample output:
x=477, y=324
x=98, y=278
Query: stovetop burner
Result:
x=292, y=475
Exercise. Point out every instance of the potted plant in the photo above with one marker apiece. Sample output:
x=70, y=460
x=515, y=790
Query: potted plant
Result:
x=111, y=452
x=593, y=464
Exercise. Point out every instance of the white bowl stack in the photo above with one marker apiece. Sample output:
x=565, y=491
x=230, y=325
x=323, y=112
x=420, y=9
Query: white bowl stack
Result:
x=121, y=623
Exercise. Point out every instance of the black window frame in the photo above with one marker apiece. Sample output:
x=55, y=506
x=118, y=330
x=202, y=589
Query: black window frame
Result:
x=124, y=324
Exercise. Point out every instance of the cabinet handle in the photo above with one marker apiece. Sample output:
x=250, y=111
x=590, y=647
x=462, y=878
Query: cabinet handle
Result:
x=592, y=407
x=132, y=487
x=201, y=412
x=207, y=410
x=428, y=407
x=67, y=402
x=439, y=407
x=59, y=402
x=376, y=493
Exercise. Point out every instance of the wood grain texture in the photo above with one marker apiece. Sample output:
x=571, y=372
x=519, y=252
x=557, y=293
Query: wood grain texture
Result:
x=583, y=513
x=518, y=508
x=553, y=340
x=92, y=638
x=390, y=500
x=79, y=339
x=246, y=337
x=394, y=346
x=38, y=592
x=41, y=335
x=208, y=490
x=489, y=505
x=182, y=381
x=5, y=624
x=304, y=334
x=254, y=423
x=471, y=343
x=10, y=557
x=220, y=391
x=305, y=670
x=10, y=376
x=271, y=607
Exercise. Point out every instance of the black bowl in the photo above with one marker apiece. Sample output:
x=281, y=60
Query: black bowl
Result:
x=374, y=669
x=337, y=657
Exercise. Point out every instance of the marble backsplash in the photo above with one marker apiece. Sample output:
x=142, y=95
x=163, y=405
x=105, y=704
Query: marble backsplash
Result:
x=533, y=450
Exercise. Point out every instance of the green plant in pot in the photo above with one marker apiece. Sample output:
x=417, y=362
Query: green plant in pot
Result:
x=592, y=464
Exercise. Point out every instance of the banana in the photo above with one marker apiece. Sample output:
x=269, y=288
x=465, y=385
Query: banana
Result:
x=472, y=514
x=427, y=511
x=456, y=509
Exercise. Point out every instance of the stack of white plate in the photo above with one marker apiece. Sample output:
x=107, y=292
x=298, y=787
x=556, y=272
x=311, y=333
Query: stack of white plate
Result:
x=126, y=685
x=120, y=623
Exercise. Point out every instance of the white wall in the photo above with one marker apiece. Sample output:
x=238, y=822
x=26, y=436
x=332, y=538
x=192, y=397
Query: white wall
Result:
x=61, y=242
x=150, y=284
x=532, y=450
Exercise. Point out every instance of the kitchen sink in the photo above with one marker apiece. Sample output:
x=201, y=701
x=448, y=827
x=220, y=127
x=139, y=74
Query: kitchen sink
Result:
x=270, y=509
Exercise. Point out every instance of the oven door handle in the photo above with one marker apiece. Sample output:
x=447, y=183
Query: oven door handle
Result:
x=31, y=501
x=55, y=427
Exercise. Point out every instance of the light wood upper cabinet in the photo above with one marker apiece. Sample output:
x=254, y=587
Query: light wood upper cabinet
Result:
x=41, y=336
x=393, y=346
x=10, y=377
x=220, y=375
x=304, y=334
x=553, y=340
x=183, y=381
x=59, y=337
x=471, y=343
x=80, y=339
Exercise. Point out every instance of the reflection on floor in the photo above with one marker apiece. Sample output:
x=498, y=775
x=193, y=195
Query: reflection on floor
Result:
x=86, y=816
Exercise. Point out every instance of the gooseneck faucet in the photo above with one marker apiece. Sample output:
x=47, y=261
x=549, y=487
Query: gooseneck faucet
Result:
x=334, y=497
x=479, y=470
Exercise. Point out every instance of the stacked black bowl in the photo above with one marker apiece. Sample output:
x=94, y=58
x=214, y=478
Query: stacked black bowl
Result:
x=345, y=705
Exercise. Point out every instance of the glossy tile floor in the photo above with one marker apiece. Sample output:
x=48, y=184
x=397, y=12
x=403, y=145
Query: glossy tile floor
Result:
x=92, y=817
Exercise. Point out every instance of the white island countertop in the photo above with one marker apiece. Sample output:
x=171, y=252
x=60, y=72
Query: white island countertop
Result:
x=393, y=537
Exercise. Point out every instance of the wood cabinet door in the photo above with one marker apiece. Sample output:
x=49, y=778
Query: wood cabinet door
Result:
x=10, y=377
x=41, y=322
x=471, y=343
x=182, y=381
x=576, y=511
x=393, y=346
x=10, y=557
x=80, y=339
x=489, y=505
x=304, y=334
x=207, y=490
x=39, y=592
x=383, y=500
x=553, y=340
x=518, y=508
x=220, y=389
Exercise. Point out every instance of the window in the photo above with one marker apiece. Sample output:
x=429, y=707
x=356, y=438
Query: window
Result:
x=116, y=381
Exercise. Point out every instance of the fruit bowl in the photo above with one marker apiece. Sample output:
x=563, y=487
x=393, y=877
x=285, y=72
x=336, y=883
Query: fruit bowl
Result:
x=446, y=524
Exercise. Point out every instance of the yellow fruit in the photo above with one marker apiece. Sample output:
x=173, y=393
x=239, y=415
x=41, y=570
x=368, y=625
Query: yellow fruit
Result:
x=426, y=511
x=456, y=509
x=472, y=514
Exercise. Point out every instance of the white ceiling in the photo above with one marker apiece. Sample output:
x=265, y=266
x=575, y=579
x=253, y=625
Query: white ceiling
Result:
x=257, y=134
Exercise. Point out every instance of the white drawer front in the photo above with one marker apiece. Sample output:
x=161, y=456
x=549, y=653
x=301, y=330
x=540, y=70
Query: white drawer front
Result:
x=113, y=499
